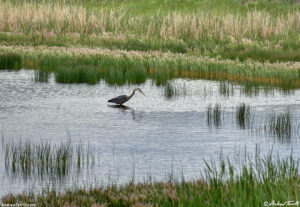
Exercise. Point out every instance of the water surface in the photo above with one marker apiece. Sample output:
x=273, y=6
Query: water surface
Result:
x=154, y=136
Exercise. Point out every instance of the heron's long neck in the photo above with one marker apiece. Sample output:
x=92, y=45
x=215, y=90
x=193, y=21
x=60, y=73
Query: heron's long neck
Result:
x=129, y=97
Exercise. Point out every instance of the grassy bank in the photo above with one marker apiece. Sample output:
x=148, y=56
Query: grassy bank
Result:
x=227, y=40
x=230, y=29
x=259, y=180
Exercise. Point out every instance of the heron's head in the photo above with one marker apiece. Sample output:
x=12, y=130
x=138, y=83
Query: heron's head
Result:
x=138, y=89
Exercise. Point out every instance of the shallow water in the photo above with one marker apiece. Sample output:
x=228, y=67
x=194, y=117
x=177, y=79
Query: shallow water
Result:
x=154, y=136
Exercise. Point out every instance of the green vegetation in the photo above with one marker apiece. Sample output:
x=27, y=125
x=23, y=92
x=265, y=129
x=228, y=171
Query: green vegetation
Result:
x=258, y=180
x=130, y=41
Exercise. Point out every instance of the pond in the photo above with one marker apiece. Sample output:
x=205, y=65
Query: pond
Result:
x=168, y=132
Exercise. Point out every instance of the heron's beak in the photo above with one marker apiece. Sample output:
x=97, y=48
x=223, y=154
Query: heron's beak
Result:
x=142, y=92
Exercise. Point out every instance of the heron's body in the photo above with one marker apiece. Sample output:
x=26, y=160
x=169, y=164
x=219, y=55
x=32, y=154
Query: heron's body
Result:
x=119, y=99
x=123, y=98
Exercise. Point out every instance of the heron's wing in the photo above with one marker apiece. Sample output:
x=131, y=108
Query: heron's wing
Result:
x=118, y=99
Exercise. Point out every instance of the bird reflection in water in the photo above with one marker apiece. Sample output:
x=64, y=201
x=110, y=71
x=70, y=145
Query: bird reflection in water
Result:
x=136, y=116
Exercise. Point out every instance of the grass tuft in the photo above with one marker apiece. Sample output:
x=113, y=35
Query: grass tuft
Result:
x=28, y=160
x=280, y=125
x=243, y=116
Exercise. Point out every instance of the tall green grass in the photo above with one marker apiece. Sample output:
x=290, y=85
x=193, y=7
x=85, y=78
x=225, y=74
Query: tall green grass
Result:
x=10, y=61
x=77, y=75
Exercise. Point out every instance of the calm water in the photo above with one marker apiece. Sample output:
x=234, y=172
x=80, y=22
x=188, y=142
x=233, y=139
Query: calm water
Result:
x=154, y=136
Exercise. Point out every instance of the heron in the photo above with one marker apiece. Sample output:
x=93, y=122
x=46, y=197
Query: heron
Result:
x=123, y=98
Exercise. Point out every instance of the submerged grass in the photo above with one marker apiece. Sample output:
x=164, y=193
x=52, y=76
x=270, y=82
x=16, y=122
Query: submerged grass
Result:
x=173, y=89
x=280, y=125
x=258, y=181
x=214, y=115
x=226, y=89
x=41, y=76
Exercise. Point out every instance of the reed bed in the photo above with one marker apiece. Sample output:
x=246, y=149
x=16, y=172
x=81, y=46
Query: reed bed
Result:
x=258, y=181
x=29, y=160
x=119, y=66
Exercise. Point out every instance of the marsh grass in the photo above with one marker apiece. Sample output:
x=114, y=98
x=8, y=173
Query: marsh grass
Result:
x=121, y=67
x=256, y=180
x=44, y=160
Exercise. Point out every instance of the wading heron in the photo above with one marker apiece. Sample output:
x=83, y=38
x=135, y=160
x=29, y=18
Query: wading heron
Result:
x=123, y=98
